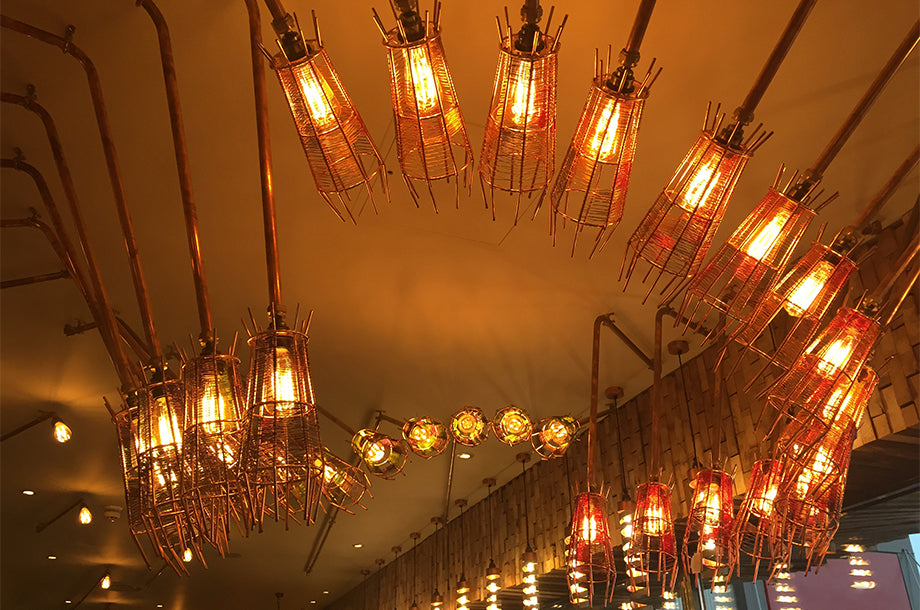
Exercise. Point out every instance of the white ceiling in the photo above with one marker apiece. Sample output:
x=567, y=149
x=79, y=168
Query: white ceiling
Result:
x=415, y=313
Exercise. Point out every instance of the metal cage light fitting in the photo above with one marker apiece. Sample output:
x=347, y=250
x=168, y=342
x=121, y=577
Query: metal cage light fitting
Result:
x=707, y=538
x=344, y=485
x=340, y=152
x=431, y=138
x=756, y=518
x=519, y=145
x=590, y=188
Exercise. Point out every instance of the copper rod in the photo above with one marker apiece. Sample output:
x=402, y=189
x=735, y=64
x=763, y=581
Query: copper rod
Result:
x=35, y=279
x=611, y=324
x=643, y=16
x=277, y=11
x=265, y=157
x=328, y=415
x=862, y=107
x=595, y=373
x=655, y=440
x=34, y=223
x=119, y=357
x=888, y=190
x=897, y=269
x=904, y=293
x=182, y=167
x=111, y=161
x=746, y=110
x=396, y=422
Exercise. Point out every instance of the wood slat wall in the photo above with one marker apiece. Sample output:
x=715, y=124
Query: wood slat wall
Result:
x=892, y=408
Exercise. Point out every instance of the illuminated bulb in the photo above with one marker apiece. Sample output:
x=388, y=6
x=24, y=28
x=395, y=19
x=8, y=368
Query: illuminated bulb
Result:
x=858, y=561
x=789, y=599
x=835, y=356
x=523, y=96
x=28, y=492
x=782, y=575
x=283, y=390
x=863, y=584
x=807, y=289
x=187, y=555
x=700, y=188
x=320, y=111
x=422, y=81
x=61, y=431
x=860, y=572
x=764, y=241
x=783, y=588
x=376, y=454
x=589, y=528
x=854, y=548
x=106, y=582
x=85, y=517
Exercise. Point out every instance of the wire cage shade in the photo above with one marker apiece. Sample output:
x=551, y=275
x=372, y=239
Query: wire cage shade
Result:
x=652, y=554
x=431, y=138
x=590, y=188
x=383, y=456
x=426, y=436
x=827, y=370
x=745, y=266
x=590, y=569
x=468, y=426
x=339, y=150
x=281, y=446
x=170, y=524
x=552, y=436
x=212, y=440
x=676, y=232
x=344, y=485
x=753, y=525
x=797, y=303
x=519, y=146
x=707, y=537
x=512, y=425
x=127, y=432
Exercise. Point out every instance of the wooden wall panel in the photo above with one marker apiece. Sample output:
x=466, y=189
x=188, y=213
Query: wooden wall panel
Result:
x=892, y=408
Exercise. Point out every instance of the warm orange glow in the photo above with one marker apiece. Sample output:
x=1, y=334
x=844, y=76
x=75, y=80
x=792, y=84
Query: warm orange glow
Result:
x=821, y=466
x=765, y=240
x=85, y=517
x=654, y=518
x=166, y=431
x=106, y=582
x=422, y=82
x=605, y=144
x=283, y=390
x=589, y=528
x=187, y=555
x=696, y=196
x=763, y=506
x=523, y=95
x=61, y=432
x=835, y=357
x=807, y=289
x=321, y=112
x=709, y=499
x=376, y=453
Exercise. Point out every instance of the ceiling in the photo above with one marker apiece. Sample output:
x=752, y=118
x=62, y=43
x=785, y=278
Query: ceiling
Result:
x=415, y=312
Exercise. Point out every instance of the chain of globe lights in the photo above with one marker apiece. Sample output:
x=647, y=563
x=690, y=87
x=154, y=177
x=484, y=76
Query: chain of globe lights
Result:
x=283, y=391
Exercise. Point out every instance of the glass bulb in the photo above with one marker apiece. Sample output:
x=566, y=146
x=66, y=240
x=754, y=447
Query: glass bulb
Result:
x=187, y=555
x=61, y=431
x=283, y=391
x=589, y=528
x=696, y=196
x=836, y=356
x=166, y=431
x=106, y=582
x=376, y=453
x=604, y=144
x=765, y=240
x=314, y=95
x=216, y=400
x=421, y=81
x=807, y=289
x=85, y=517
x=523, y=95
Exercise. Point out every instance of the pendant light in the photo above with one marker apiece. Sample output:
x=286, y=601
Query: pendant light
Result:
x=426, y=436
x=519, y=147
x=512, y=425
x=552, y=436
x=677, y=231
x=590, y=188
x=529, y=560
x=431, y=139
x=383, y=455
x=415, y=536
x=344, y=485
x=469, y=426
x=281, y=440
x=339, y=150
x=735, y=280
x=493, y=572
x=756, y=519
x=436, y=600
x=463, y=587
x=128, y=436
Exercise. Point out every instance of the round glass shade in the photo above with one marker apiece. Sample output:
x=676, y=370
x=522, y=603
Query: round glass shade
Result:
x=468, y=426
x=426, y=436
x=552, y=436
x=383, y=455
x=512, y=425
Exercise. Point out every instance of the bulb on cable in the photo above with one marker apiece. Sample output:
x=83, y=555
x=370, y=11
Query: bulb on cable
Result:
x=106, y=581
x=61, y=431
x=85, y=517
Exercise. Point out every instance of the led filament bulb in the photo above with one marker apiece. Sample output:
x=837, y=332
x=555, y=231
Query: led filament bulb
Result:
x=61, y=431
x=85, y=517
x=804, y=293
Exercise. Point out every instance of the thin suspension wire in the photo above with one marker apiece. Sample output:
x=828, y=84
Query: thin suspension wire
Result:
x=683, y=383
x=526, y=509
x=491, y=531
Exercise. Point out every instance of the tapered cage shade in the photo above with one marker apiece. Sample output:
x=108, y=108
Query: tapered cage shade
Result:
x=797, y=303
x=426, y=436
x=281, y=446
x=383, y=456
x=468, y=426
x=552, y=436
x=126, y=429
x=512, y=425
x=652, y=554
x=431, y=139
x=677, y=231
x=159, y=449
x=519, y=146
x=827, y=370
x=756, y=518
x=735, y=280
x=590, y=570
x=344, y=485
x=707, y=537
x=339, y=150
x=212, y=441
x=590, y=188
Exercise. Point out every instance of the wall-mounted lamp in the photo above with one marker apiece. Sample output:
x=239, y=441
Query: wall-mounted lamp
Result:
x=84, y=516
x=60, y=430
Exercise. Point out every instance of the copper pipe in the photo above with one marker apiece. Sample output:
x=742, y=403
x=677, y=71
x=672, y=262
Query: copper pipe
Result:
x=862, y=107
x=35, y=279
x=655, y=440
x=888, y=190
x=599, y=321
x=904, y=293
x=265, y=157
x=119, y=358
x=277, y=11
x=189, y=209
x=745, y=112
x=128, y=335
x=643, y=16
x=34, y=223
x=111, y=161
x=897, y=269
x=328, y=415
x=611, y=324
